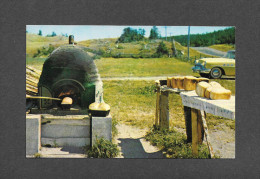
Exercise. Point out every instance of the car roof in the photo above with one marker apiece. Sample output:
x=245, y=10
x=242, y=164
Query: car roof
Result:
x=232, y=51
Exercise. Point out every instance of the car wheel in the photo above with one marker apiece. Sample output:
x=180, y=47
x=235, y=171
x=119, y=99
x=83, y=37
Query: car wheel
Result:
x=215, y=73
x=204, y=75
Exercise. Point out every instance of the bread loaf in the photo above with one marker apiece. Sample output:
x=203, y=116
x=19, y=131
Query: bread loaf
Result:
x=169, y=79
x=213, y=85
x=220, y=93
x=202, y=79
x=189, y=83
x=180, y=82
x=201, y=88
x=174, y=82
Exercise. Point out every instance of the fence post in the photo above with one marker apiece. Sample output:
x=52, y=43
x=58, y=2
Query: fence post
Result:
x=164, y=110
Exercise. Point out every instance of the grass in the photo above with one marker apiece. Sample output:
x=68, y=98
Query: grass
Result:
x=133, y=103
x=102, y=149
x=129, y=67
x=35, y=42
x=174, y=144
x=223, y=47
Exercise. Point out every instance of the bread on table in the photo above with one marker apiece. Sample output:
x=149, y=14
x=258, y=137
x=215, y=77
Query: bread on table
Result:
x=201, y=88
x=189, y=83
x=174, y=82
x=180, y=82
x=202, y=79
x=220, y=93
x=213, y=85
x=169, y=79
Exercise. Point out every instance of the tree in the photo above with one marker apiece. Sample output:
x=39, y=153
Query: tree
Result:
x=161, y=50
x=40, y=33
x=154, y=34
x=130, y=35
x=53, y=34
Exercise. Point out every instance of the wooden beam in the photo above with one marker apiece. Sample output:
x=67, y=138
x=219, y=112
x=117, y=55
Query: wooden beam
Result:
x=187, y=116
x=200, y=127
x=157, y=106
x=164, y=110
x=194, y=124
x=206, y=133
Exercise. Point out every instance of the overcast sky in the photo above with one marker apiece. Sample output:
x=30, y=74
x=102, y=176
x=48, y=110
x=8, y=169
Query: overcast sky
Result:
x=85, y=32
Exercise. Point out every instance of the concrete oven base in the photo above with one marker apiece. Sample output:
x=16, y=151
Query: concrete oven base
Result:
x=65, y=131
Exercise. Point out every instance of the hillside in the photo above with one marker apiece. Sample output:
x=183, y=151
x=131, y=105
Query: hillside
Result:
x=226, y=36
x=107, y=47
x=35, y=42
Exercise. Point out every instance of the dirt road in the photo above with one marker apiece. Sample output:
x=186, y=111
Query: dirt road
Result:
x=132, y=143
x=209, y=51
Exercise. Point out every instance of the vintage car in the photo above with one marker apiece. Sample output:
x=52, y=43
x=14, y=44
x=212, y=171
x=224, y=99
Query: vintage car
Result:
x=216, y=67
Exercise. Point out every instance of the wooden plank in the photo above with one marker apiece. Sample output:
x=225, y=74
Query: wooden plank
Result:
x=187, y=116
x=206, y=133
x=157, y=107
x=194, y=124
x=164, y=110
x=200, y=127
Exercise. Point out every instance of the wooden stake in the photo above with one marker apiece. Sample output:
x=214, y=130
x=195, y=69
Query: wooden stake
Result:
x=200, y=127
x=194, y=124
x=206, y=133
x=164, y=110
x=157, y=107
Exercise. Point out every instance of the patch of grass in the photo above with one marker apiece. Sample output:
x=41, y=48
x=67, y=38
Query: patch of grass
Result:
x=102, y=149
x=36, y=63
x=37, y=155
x=223, y=47
x=129, y=67
x=213, y=121
x=174, y=144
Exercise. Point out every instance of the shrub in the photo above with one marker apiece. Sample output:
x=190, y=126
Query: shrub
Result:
x=174, y=144
x=161, y=50
x=102, y=149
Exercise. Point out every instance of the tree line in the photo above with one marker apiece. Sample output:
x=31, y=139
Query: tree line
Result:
x=226, y=36
x=132, y=35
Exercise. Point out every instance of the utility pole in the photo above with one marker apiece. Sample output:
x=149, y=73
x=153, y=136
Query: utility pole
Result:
x=188, y=43
x=166, y=33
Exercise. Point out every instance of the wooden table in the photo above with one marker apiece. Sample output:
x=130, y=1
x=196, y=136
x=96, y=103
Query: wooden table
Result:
x=195, y=109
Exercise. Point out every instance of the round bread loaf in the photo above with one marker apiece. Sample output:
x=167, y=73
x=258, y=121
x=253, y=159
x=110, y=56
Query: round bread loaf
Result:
x=201, y=88
x=220, y=93
x=213, y=85
x=189, y=83
x=180, y=82
x=174, y=82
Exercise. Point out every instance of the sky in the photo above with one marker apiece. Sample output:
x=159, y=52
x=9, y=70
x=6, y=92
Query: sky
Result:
x=85, y=32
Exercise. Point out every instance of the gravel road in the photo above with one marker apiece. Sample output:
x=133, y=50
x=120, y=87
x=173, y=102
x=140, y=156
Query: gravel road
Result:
x=209, y=51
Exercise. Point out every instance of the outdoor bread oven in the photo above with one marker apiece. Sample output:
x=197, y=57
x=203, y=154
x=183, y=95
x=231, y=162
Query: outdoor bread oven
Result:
x=70, y=72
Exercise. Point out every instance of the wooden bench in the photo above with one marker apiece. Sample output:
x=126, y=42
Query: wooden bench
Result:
x=195, y=109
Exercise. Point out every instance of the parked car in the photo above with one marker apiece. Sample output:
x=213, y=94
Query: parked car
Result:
x=216, y=67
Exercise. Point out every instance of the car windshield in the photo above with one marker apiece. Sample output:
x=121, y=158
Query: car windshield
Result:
x=230, y=54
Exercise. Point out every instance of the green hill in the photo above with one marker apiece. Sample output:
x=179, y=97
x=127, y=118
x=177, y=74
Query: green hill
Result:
x=226, y=36
x=35, y=42
x=107, y=47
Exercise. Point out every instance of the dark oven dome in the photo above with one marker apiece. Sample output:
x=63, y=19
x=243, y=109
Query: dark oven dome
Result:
x=70, y=68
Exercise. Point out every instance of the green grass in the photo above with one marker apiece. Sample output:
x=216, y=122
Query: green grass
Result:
x=223, y=47
x=134, y=102
x=102, y=149
x=36, y=63
x=129, y=67
x=174, y=144
x=35, y=42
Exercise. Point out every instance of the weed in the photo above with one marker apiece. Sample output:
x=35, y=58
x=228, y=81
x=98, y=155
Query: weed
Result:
x=174, y=144
x=37, y=155
x=102, y=149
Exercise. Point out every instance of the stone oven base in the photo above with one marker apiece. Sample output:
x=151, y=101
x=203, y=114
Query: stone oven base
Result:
x=64, y=131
